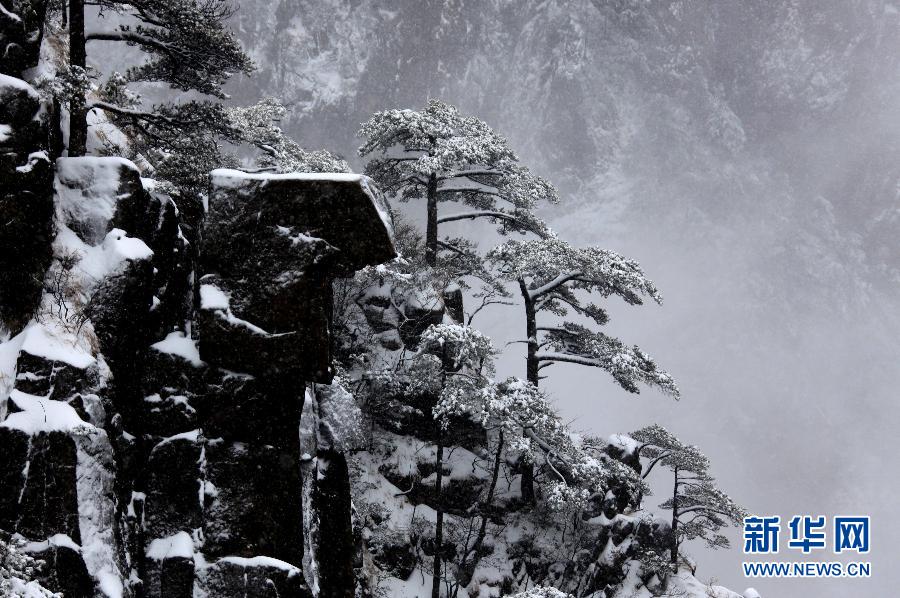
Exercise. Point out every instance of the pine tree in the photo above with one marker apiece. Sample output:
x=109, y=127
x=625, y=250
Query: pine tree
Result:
x=440, y=156
x=459, y=358
x=550, y=273
x=257, y=125
x=699, y=508
x=552, y=276
x=189, y=48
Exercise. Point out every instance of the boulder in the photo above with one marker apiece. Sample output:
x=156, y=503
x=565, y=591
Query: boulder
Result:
x=256, y=577
x=64, y=569
x=169, y=567
x=273, y=244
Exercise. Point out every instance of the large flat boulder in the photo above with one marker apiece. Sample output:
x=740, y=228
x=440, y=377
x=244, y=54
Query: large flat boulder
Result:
x=272, y=246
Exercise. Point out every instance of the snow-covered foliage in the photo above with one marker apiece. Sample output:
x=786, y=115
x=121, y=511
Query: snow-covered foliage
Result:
x=18, y=571
x=550, y=274
x=257, y=125
x=699, y=508
x=541, y=592
x=188, y=43
x=439, y=155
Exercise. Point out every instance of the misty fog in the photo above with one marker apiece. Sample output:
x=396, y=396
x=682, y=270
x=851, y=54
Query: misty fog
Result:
x=746, y=153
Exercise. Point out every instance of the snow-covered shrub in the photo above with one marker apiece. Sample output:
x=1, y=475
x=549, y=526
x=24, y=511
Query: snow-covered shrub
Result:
x=18, y=571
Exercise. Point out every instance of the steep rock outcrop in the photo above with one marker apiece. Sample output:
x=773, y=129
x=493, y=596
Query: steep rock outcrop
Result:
x=26, y=201
x=171, y=462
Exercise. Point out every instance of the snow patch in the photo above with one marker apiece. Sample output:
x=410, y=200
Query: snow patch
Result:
x=87, y=190
x=228, y=178
x=261, y=561
x=177, y=343
x=95, y=474
x=192, y=436
x=9, y=355
x=212, y=297
x=61, y=540
x=42, y=415
x=13, y=82
x=99, y=261
x=179, y=545
x=54, y=344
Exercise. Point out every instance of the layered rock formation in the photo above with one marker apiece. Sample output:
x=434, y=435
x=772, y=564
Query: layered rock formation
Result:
x=155, y=383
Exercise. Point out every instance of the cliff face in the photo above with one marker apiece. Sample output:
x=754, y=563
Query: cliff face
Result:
x=155, y=372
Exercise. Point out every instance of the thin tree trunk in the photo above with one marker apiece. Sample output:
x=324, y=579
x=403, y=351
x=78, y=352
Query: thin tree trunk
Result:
x=526, y=484
x=469, y=568
x=674, y=551
x=431, y=228
x=439, y=520
x=531, y=332
x=77, y=58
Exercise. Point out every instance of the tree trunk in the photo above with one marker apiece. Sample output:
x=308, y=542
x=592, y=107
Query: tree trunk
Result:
x=439, y=519
x=526, y=484
x=468, y=568
x=431, y=228
x=674, y=551
x=77, y=58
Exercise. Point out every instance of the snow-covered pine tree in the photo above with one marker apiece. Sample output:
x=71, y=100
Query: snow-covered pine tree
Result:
x=18, y=571
x=438, y=155
x=190, y=48
x=453, y=361
x=699, y=508
x=257, y=125
x=552, y=275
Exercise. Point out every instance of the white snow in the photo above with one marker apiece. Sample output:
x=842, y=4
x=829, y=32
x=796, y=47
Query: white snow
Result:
x=229, y=178
x=177, y=343
x=9, y=354
x=192, y=436
x=33, y=158
x=260, y=561
x=87, y=190
x=95, y=475
x=55, y=344
x=177, y=545
x=54, y=540
x=10, y=15
x=42, y=415
x=7, y=81
x=5, y=132
x=625, y=442
x=212, y=297
x=99, y=261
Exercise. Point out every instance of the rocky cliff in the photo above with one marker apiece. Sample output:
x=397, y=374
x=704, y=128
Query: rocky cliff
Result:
x=155, y=364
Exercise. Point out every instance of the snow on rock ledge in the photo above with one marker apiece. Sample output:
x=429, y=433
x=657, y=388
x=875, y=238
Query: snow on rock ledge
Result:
x=34, y=415
x=87, y=190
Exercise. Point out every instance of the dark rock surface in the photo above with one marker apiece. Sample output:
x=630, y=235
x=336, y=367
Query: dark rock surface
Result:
x=253, y=578
x=37, y=474
x=21, y=31
x=64, y=569
x=26, y=201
